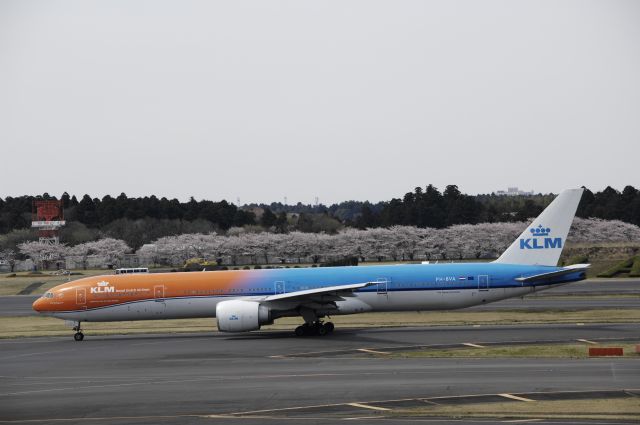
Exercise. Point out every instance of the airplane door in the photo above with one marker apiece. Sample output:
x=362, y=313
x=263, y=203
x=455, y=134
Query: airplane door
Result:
x=483, y=282
x=278, y=287
x=381, y=287
x=81, y=296
x=158, y=307
x=158, y=292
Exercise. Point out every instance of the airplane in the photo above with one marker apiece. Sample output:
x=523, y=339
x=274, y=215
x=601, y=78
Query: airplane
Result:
x=245, y=300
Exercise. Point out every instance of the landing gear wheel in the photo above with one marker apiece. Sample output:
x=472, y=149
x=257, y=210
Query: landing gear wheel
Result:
x=79, y=336
x=329, y=326
x=301, y=331
x=323, y=330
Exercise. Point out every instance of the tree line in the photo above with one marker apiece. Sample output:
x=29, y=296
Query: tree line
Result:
x=143, y=219
x=246, y=246
x=94, y=212
x=395, y=243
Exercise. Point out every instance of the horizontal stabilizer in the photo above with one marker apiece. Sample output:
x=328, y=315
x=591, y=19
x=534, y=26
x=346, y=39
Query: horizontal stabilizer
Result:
x=564, y=271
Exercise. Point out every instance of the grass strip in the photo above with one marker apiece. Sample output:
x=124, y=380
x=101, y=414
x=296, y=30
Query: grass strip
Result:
x=620, y=267
x=614, y=408
x=575, y=351
x=47, y=280
x=11, y=327
x=635, y=269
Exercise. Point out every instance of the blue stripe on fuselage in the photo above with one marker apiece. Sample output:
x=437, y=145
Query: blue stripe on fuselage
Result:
x=408, y=276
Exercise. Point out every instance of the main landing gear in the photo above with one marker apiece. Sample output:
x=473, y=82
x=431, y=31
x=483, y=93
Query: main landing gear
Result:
x=315, y=328
x=78, y=336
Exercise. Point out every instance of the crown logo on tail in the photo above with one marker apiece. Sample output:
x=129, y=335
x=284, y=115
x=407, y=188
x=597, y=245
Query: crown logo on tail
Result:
x=540, y=231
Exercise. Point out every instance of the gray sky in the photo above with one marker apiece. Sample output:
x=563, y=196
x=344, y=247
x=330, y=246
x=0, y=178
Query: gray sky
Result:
x=335, y=99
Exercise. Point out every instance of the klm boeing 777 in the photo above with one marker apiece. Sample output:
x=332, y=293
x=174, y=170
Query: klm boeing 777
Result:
x=243, y=301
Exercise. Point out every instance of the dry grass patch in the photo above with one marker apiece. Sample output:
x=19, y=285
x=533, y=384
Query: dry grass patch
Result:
x=12, y=327
x=538, y=350
x=615, y=408
x=13, y=285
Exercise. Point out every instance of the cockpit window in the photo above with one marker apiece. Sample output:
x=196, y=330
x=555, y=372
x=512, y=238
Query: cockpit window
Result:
x=48, y=295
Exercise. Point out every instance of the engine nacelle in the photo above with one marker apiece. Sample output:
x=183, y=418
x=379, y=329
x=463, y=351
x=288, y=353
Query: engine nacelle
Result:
x=241, y=316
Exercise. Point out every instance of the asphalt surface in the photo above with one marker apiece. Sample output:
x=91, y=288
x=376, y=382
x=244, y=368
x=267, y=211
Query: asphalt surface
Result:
x=17, y=305
x=595, y=287
x=205, y=378
x=629, y=289
x=567, y=304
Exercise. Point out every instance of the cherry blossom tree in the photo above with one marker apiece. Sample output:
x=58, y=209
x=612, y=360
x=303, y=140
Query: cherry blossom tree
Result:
x=598, y=230
x=43, y=252
x=485, y=240
x=111, y=250
x=9, y=257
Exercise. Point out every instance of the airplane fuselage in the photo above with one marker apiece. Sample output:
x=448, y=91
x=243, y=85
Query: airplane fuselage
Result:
x=415, y=287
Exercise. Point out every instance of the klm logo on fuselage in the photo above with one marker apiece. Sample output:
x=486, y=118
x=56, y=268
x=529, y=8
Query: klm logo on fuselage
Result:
x=103, y=288
x=540, y=239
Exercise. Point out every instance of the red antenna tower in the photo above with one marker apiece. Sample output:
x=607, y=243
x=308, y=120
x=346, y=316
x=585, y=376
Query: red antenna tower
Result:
x=48, y=217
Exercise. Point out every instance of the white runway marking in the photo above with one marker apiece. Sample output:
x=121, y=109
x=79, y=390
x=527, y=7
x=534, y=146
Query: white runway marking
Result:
x=514, y=397
x=360, y=418
x=586, y=341
x=366, y=406
x=366, y=350
x=468, y=344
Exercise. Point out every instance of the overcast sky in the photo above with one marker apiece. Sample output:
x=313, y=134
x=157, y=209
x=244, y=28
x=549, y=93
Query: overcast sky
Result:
x=336, y=99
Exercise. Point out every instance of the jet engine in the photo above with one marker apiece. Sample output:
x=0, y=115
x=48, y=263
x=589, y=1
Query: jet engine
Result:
x=242, y=316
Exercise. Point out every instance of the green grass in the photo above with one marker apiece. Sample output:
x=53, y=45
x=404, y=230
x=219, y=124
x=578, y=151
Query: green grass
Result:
x=620, y=267
x=635, y=268
x=576, y=259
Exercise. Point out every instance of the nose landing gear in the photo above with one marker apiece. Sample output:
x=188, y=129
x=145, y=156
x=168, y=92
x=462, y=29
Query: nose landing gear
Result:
x=78, y=336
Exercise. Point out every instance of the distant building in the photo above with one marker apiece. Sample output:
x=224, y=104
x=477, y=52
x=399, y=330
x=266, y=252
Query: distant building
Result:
x=257, y=211
x=514, y=191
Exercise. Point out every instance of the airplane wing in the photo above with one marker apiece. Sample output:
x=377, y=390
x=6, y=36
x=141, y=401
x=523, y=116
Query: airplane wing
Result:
x=329, y=293
x=565, y=270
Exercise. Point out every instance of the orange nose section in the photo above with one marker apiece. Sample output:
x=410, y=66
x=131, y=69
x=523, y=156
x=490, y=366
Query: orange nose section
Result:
x=39, y=305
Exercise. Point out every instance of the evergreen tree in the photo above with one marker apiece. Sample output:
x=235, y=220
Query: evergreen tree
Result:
x=268, y=218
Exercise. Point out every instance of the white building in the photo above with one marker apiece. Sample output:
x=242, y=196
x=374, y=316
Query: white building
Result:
x=514, y=191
